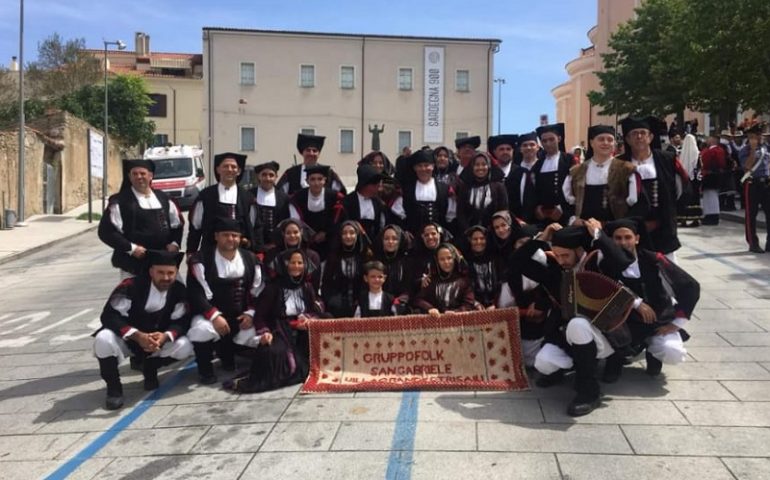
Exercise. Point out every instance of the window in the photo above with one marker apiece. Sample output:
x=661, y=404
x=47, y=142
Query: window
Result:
x=347, y=77
x=463, y=80
x=346, y=141
x=248, y=73
x=248, y=139
x=461, y=135
x=307, y=131
x=307, y=76
x=158, y=107
x=160, y=140
x=404, y=140
x=404, y=78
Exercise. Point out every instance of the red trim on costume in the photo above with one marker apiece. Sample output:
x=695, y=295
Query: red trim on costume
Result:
x=210, y=313
x=681, y=314
x=747, y=216
x=124, y=330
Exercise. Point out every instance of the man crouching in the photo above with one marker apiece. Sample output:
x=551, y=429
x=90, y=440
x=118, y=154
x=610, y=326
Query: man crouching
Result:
x=146, y=317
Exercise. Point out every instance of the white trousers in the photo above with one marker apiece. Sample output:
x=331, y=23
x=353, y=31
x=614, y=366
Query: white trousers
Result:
x=667, y=348
x=530, y=349
x=580, y=331
x=202, y=330
x=107, y=344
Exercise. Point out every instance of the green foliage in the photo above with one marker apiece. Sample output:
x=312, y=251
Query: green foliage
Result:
x=62, y=67
x=128, y=105
x=9, y=111
x=701, y=54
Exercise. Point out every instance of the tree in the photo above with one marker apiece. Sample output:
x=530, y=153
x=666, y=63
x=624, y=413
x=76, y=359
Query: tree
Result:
x=62, y=67
x=128, y=103
x=643, y=72
x=704, y=54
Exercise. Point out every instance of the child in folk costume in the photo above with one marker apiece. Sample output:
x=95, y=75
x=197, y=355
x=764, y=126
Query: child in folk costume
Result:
x=375, y=302
x=391, y=248
x=449, y=288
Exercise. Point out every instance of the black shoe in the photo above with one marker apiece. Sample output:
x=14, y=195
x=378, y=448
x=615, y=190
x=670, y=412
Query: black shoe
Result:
x=545, y=381
x=654, y=366
x=613, y=368
x=756, y=249
x=203, y=353
x=113, y=402
x=207, y=379
x=583, y=406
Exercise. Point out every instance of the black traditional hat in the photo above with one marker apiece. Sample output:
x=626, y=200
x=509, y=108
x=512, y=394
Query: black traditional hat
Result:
x=421, y=156
x=305, y=141
x=756, y=128
x=570, y=237
x=367, y=175
x=472, y=142
x=274, y=166
x=131, y=164
x=558, y=129
x=164, y=257
x=239, y=159
x=505, y=139
x=527, y=137
x=224, y=224
x=593, y=132
x=655, y=125
x=318, y=168
x=631, y=223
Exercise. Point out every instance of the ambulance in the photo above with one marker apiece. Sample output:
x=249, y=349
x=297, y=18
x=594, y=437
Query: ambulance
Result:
x=178, y=172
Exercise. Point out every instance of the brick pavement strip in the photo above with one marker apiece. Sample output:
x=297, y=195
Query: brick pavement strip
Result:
x=708, y=418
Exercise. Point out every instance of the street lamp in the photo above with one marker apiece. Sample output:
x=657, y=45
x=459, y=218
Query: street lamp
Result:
x=500, y=82
x=21, y=185
x=105, y=160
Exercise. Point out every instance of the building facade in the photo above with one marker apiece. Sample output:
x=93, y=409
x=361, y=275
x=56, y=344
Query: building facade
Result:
x=175, y=83
x=261, y=88
x=572, y=105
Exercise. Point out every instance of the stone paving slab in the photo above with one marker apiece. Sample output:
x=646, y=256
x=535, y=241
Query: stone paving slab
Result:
x=568, y=438
x=306, y=409
x=745, y=339
x=749, y=391
x=177, y=467
x=224, y=413
x=301, y=437
x=34, y=470
x=496, y=466
x=617, y=412
x=35, y=447
x=626, y=467
x=667, y=390
x=730, y=354
x=157, y=441
x=699, y=441
x=233, y=438
x=749, y=414
x=749, y=468
x=483, y=409
x=317, y=465
x=433, y=436
x=717, y=371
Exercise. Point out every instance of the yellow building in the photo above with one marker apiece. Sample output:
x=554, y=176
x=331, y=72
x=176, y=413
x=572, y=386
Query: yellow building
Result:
x=572, y=105
x=175, y=83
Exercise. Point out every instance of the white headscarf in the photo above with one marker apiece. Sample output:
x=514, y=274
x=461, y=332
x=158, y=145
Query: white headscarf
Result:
x=689, y=156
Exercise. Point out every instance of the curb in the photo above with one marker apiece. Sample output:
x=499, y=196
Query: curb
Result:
x=38, y=248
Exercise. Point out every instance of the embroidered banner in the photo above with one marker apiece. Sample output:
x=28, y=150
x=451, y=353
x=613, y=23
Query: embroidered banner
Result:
x=462, y=351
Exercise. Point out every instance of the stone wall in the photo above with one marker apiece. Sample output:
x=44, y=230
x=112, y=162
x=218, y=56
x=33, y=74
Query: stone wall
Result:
x=62, y=140
x=33, y=171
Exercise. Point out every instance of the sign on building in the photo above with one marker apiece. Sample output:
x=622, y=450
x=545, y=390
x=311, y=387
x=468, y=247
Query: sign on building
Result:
x=433, y=128
x=96, y=153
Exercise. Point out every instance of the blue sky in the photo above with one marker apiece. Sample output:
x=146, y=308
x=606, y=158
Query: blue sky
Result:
x=539, y=38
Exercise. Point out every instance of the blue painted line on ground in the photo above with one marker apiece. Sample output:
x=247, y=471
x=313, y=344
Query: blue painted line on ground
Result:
x=724, y=261
x=402, y=448
x=102, y=440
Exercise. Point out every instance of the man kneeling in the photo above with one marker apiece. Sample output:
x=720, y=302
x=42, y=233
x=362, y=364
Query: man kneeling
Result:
x=146, y=317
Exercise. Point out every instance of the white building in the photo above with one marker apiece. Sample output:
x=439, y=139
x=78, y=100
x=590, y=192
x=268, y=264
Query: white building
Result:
x=262, y=87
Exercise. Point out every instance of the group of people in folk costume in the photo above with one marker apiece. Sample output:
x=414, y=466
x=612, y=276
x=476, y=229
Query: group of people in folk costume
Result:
x=438, y=231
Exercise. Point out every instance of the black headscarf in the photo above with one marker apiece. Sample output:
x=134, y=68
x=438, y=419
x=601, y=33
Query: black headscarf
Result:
x=282, y=269
x=305, y=233
x=404, y=244
x=460, y=268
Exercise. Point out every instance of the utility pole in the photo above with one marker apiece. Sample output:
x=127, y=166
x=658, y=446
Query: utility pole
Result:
x=20, y=212
x=500, y=82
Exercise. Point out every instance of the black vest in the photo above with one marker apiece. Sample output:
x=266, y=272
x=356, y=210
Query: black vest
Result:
x=150, y=228
x=385, y=310
x=212, y=209
x=270, y=217
x=421, y=213
x=230, y=295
